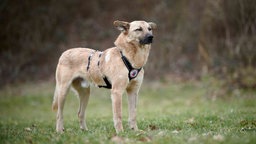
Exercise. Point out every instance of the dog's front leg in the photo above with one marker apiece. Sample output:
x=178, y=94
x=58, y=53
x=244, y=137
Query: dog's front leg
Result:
x=132, y=93
x=132, y=104
x=116, y=96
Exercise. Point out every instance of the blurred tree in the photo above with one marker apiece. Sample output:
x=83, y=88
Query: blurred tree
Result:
x=193, y=37
x=227, y=40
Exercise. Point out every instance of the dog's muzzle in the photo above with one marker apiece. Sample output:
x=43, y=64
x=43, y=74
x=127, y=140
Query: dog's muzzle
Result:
x=148, y=39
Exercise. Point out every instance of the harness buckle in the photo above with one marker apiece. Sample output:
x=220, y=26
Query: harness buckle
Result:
x=134, y=73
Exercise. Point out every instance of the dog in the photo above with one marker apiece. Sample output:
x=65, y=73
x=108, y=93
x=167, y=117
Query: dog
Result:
x=119, y=69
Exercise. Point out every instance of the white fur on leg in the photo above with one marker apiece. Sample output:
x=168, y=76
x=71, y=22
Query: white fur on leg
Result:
x=85, y=84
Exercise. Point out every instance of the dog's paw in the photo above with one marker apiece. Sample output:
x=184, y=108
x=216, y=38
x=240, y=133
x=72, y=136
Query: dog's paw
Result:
x=133, y=125
x=60, y=130
x=134, y=128
x=84, y=128
x=118, y=130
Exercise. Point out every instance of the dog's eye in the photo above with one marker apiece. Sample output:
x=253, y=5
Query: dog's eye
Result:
x=149, y=29
x=138, y=29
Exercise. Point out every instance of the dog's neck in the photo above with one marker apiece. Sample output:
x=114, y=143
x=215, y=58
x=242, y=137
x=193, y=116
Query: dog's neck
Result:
x=137, y=54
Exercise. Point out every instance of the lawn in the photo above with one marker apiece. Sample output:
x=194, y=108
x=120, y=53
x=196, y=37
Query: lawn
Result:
x=167, y=113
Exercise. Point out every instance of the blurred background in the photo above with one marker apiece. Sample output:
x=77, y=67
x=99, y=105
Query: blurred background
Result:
x=194, y=40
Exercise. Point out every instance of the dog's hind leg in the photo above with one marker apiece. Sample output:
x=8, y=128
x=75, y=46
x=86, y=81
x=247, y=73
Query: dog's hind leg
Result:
x=55, y=99
x=83, y=90
x=63, y=81
x=61, y=100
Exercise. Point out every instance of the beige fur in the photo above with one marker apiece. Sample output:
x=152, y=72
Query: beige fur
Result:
x=72, y=71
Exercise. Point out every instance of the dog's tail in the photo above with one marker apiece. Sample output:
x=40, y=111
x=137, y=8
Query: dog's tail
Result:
x=55, y=100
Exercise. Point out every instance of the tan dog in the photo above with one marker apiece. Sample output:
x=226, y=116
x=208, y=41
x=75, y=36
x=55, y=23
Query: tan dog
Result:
x=119, y=68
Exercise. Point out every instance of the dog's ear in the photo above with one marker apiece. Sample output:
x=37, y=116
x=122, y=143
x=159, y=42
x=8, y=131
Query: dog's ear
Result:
x=122, y=25
x=153, y=25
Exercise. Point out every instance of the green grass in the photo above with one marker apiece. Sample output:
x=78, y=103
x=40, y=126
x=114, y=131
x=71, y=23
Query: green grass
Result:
x=167, y=113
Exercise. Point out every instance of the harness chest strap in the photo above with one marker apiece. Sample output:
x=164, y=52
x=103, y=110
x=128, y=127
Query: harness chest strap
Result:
x=133, y=73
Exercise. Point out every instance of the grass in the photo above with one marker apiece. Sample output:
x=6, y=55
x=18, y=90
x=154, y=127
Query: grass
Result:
x=167, y=113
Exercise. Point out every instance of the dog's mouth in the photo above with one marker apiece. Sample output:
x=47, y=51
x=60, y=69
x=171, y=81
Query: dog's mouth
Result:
x=148, y=39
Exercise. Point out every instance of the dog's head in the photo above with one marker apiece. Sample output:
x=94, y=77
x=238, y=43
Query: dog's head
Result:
x=138, y=32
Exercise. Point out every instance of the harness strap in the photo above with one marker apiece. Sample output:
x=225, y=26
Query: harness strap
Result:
x=133, y=72
x=108, y=84
x=99, y=59
x=89, y=60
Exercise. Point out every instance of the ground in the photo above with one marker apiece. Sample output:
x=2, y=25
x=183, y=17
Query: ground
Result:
x=167, y=113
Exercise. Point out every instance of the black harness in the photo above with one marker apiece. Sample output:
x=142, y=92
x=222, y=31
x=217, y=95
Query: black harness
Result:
x=108, y=84
x=133, y=72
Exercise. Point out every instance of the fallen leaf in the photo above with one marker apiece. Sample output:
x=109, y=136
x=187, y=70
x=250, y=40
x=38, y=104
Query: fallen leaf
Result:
x=28, y=129
x=29, y=140
x=175, y=132
x=218, y=137
x=152, y=127
x=190, y=121
x=161, y=133
x=145, y=139
x=117, y=139
x=193, y=138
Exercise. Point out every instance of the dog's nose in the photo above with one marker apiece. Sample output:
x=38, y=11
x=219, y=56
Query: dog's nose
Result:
x=150, y=37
